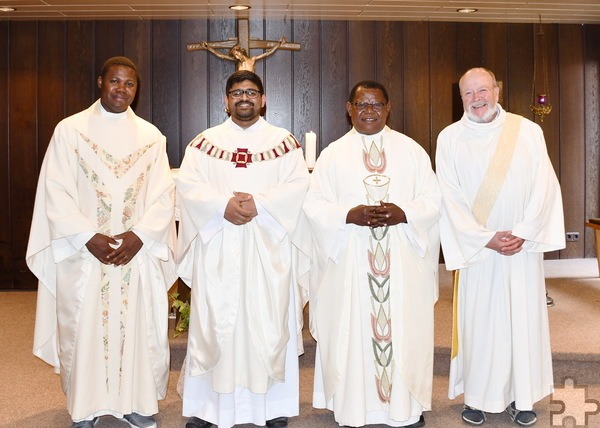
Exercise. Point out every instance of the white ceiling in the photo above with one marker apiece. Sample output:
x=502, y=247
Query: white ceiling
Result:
x=513, y=11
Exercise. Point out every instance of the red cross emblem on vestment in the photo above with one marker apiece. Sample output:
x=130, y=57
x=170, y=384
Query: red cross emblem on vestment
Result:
x=241, y=157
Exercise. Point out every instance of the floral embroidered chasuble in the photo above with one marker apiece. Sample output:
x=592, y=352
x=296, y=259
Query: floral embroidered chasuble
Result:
x=104, y=173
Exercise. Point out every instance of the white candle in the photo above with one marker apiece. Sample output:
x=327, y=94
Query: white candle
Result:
x=310, y=149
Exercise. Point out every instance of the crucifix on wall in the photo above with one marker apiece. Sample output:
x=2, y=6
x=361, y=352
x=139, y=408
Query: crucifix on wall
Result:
x=239, y=47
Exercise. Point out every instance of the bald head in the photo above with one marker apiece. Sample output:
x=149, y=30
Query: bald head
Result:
x=477, y=71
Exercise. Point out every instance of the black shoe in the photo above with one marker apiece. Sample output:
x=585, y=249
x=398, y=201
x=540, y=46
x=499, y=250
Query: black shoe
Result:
x=473, y=416
x=195, y=422
x=419, y=423
x=279, y=422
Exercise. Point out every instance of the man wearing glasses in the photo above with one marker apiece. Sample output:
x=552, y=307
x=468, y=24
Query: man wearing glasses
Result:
x=502, y=209
x=241, y=186
x=373, y=206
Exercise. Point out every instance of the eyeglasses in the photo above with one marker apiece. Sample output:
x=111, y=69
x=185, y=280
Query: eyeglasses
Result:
x=250, y=93
x=364, y=105
x=481, y=92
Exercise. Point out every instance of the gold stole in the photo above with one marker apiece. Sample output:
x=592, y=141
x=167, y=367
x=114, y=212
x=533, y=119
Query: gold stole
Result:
x=486, y=197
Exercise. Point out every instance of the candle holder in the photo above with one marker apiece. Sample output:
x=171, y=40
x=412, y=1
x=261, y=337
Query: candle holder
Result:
x=540, y=105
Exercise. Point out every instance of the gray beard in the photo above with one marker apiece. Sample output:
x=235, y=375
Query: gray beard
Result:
x=488, y=117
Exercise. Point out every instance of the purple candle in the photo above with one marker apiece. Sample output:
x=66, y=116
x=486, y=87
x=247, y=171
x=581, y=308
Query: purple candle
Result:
x=542, y=99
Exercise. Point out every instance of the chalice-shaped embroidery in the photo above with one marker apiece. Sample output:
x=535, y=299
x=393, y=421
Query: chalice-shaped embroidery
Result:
x=377, y=186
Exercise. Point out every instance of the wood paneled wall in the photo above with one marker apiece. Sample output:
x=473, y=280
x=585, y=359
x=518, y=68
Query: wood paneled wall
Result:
x=48, y=71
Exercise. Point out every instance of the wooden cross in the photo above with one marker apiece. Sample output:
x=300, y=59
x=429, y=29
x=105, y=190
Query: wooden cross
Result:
x=245, y=42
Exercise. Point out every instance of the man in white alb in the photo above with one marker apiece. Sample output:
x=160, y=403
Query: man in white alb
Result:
x=502, y=210
x=101, y=244
x=373, y=206
x=240, y=186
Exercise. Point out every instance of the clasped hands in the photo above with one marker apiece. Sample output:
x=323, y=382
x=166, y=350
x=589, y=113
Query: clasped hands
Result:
x=107, y=249
x=240, y=209
x=505, y=243
x=385, y=214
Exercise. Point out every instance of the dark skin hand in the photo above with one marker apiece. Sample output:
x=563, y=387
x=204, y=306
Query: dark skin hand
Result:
x=100, y=247
x=240, y=209
x=386, y=214
x=505, y=243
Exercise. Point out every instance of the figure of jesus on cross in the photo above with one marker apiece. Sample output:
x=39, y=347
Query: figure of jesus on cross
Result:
x=239, y=47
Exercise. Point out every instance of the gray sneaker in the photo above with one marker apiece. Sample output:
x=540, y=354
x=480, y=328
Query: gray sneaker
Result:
x=85, y=424
x=135, y=420
x=549, y=300
x=522, y=417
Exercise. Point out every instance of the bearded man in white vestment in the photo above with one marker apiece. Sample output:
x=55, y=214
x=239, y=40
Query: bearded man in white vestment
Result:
x=101, y=244
x=240, y=188
x=373, y=206
x=495, y=228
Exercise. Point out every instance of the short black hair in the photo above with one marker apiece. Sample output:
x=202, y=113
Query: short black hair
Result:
x=368, y=84
x=118, y=60
x=240, y=76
